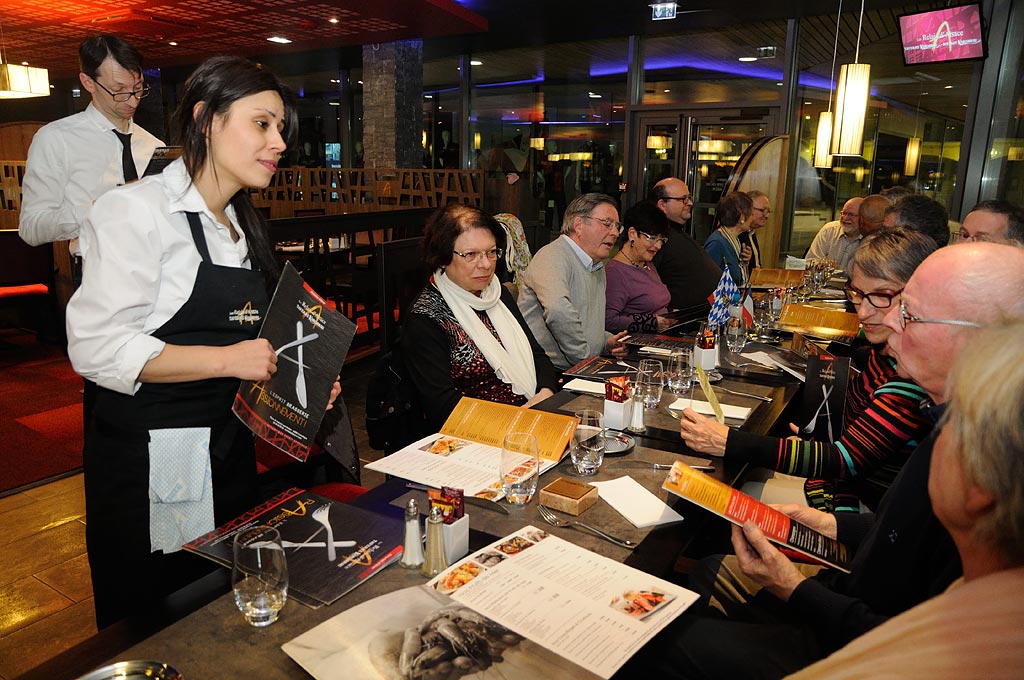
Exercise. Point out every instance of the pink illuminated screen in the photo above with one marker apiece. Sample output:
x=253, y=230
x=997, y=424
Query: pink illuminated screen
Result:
x=950, y=34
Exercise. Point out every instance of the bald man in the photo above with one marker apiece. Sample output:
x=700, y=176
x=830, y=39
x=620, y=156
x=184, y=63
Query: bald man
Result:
x=902, y=554
x=837, y=240
x=683, y=265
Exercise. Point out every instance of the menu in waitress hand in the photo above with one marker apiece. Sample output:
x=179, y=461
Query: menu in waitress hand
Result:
x=311, y=341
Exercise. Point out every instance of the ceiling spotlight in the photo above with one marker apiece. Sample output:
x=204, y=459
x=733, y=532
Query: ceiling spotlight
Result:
x=332, y=20
x=748, y=58
x=278, y=39
x=475, y=62
x=173, y=44
x=948, y=87
x=666, y=91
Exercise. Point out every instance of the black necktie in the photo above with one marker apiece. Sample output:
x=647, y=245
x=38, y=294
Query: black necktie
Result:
x=127, y=162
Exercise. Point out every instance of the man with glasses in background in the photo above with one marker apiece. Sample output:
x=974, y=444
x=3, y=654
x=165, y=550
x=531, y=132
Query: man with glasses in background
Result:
x=837, y=240
x=993, y=221
x=562, y=292
x=74, y=160
x=684, y=266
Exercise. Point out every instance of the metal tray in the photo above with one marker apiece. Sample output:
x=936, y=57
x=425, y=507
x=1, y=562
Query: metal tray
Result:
x=134, y=670
x=617, y=443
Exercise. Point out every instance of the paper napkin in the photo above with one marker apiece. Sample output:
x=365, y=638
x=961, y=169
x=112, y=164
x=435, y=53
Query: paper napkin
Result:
x=641, y=507
x=704, y=408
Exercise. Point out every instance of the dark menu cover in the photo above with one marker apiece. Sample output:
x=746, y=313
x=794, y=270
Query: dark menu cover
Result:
x=161, y=158
x=821, y=415
x=311, y=341
x=299, y=517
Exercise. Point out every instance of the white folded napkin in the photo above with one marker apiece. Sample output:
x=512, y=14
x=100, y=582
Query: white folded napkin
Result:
x=703, y=407
x=641, y=507
x=660, y=351
x=584, y=386
x=765, y=358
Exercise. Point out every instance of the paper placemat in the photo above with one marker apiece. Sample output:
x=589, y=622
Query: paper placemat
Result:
x=638, y=505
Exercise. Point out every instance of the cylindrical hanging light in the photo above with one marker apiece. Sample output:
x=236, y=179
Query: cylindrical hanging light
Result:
x=913, y=156
x=537, y=143
x=822, y=157
x=851, y=109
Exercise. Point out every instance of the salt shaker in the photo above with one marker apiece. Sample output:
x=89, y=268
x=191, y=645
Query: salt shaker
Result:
x=412, y=546
x=636, y=420
x=436, y=561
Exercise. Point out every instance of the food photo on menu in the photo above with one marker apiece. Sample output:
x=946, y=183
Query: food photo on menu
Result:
x=497, y=614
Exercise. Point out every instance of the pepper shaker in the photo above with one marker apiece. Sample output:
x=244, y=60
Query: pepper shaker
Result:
x=436, y=561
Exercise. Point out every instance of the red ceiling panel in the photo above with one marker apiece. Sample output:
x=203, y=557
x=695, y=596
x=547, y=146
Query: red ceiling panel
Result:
x=46, y=33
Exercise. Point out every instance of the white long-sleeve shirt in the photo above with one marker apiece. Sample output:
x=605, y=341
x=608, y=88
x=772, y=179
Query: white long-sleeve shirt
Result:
x=72, y=162
x=142, y=265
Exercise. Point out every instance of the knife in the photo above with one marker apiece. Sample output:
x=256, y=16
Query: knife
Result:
x=656, y=466
x=472, y=500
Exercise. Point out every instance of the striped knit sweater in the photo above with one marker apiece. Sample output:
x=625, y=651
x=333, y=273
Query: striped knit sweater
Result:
x=884, y=425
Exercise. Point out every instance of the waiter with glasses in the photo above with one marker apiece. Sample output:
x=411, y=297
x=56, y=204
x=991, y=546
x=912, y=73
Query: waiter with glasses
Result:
x=74, y=160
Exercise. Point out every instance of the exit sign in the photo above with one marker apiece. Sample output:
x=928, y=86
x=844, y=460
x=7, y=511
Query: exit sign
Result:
x=663, y=10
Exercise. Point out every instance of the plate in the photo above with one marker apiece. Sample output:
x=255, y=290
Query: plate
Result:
x=130, y=670
x=617, y=443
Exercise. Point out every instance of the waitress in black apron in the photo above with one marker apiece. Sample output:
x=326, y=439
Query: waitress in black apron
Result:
x=178, y=268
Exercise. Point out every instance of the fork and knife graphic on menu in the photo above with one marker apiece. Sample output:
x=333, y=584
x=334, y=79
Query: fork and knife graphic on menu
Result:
x=297, y=343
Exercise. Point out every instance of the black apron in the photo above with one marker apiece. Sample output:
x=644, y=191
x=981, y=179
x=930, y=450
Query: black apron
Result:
x=226, y=306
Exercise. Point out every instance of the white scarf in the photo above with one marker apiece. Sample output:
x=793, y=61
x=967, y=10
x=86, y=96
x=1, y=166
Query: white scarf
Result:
x=512, y=358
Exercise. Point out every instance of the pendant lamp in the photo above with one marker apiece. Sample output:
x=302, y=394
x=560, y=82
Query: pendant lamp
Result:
x=851, y=103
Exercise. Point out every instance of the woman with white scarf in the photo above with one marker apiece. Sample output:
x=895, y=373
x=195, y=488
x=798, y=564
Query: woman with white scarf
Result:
x=464, y=334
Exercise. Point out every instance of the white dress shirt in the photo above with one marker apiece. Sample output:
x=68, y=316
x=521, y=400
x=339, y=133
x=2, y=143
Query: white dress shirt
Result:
x=72, y=162
x=141, y=269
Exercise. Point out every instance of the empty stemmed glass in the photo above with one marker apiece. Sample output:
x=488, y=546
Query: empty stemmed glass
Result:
x=735, y=330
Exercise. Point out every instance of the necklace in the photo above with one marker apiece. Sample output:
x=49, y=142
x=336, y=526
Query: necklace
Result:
x=638, y=265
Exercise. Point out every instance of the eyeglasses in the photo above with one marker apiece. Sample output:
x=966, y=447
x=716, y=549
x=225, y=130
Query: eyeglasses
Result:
x=963, y=237
x=906, y=317
x=878, y=299
x=125, y=96
x=849, y=214
x=685, y=199
x=477, y=255
x=654, y=239
x=608, y=223
x=764, y=211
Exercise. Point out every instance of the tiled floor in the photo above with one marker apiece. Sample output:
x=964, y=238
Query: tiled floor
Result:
x=45, y=592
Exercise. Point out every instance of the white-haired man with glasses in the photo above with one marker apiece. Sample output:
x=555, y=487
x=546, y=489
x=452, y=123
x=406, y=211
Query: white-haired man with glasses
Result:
x=74, y=160
x=779, y=617
x=562, y=293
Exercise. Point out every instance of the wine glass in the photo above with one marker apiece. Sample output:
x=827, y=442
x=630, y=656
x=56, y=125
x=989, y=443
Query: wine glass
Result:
x=650, y=382
x=259, y=575
x=680, y=371
x=736, y=330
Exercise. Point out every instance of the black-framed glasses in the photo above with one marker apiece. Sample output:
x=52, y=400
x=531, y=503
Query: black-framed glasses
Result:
x=653, y=239
x=476, y=255
x=685, y=199
x=878, y=299
x=906, y=317
x=125, y=96
x=607, y=222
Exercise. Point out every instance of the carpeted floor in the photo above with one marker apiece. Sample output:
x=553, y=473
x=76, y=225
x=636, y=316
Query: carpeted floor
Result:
x=41, y=407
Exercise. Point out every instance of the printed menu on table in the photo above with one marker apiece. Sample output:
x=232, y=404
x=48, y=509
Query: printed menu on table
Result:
x=467, y=451
x=365, y=543
x=311, y=341
x=830, y=324
x=529, y=605
x=739, y=508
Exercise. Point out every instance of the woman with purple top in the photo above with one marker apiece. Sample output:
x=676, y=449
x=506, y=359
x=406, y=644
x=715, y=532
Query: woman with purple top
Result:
x=635, y=295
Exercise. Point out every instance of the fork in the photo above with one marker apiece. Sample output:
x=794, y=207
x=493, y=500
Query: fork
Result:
x=321, y=515
x=549, y=516
x=742, y=394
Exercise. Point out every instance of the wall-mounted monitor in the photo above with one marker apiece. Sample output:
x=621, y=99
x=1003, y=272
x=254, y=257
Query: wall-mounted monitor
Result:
x=950, y=34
